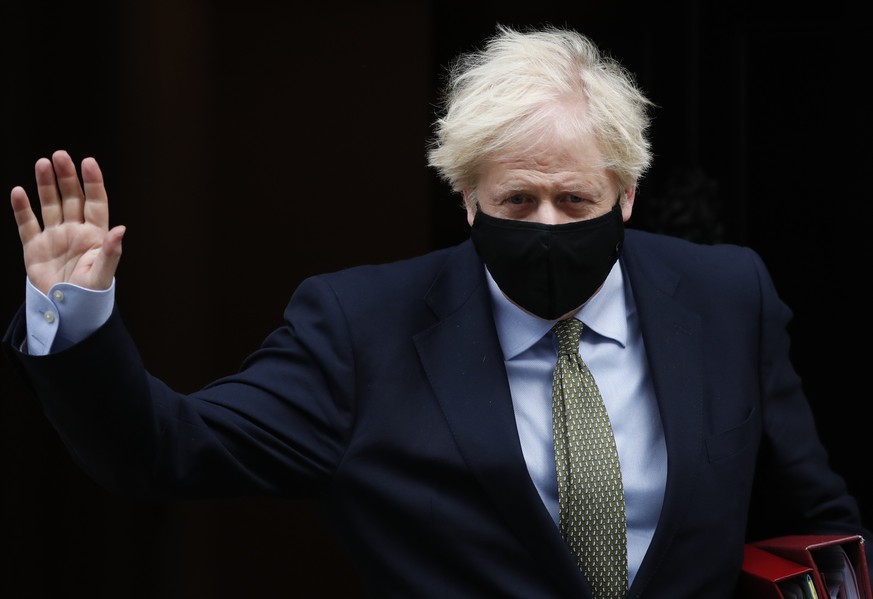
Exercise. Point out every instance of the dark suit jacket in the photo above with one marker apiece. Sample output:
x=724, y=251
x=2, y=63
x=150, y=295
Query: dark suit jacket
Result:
x=384, y=398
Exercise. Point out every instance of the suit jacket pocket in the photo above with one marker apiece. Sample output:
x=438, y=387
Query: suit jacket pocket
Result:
x=731, y=442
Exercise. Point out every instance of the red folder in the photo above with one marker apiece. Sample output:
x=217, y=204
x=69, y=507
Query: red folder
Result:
x=766, y=575
x=838, y=563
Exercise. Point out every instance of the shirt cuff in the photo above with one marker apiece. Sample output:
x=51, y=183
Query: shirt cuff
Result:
x=67, y=315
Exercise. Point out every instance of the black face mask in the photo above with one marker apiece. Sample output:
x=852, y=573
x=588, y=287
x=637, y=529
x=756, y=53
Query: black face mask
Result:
x=549, y=270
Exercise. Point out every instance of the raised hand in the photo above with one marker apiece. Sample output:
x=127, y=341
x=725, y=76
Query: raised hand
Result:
x=74, y=243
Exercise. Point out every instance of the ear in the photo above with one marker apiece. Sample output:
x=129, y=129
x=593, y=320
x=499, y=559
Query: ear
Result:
x=470, y=204
x=627, y=202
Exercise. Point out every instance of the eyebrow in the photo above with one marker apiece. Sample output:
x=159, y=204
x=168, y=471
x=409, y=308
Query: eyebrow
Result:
x=514, y=187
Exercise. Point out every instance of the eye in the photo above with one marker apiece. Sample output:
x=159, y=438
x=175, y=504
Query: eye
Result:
x=516, y=199
x=578, y=207
x=573, y=202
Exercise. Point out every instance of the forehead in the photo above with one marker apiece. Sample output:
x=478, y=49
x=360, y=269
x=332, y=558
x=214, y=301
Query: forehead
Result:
x=556, y=159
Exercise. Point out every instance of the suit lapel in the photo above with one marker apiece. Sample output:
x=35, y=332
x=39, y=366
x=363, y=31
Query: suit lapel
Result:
x=464, y=363
x=463, y=360
x=671, y=334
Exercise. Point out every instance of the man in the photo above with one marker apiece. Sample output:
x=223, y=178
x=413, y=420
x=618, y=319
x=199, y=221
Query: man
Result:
x=413, y=401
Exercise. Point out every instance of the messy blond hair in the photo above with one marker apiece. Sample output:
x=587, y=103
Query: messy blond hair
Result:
x=515, y=89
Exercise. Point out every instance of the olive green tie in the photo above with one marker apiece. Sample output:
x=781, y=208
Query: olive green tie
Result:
x=590, y=491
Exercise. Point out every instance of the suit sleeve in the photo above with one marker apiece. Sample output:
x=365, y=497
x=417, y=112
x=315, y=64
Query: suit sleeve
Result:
x=278, y=426
x=796, y=489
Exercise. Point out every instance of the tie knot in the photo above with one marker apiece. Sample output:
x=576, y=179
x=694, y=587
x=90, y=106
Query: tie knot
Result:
x=568, y=332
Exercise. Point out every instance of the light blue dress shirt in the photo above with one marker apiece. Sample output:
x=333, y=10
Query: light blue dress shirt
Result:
x=612, y=347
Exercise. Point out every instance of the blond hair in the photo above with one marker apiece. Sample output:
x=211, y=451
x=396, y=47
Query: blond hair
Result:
x=516, y=90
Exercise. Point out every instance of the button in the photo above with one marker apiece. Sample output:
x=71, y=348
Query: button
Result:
x=49, y=317
x=58, y=295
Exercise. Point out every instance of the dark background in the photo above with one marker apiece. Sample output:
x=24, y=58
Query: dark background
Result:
x=247, y=145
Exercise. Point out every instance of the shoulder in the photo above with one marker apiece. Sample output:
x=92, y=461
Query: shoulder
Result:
x=394, y=287
x=406, y=273
x=683, y=248
x=689, y=255
x=723, y=269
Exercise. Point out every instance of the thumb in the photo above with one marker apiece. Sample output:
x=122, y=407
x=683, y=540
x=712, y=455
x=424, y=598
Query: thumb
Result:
x=106, y=263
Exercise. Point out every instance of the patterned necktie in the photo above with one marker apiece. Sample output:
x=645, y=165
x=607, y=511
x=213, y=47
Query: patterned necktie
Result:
x=590, y=491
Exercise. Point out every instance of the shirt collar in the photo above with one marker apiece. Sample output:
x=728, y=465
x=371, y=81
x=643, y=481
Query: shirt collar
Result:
x=605, y=313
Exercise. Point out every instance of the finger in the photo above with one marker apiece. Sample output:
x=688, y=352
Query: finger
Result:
x=72, y=196
x=49, y=198
x=107, y=260
x=96, y=201
x=28, y=225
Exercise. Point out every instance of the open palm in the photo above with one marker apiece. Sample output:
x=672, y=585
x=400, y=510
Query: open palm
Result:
x=74, y=243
